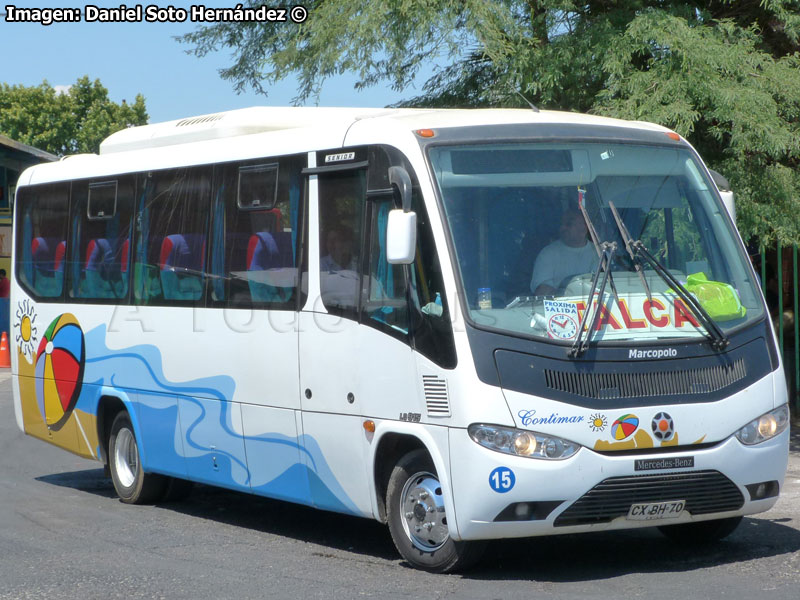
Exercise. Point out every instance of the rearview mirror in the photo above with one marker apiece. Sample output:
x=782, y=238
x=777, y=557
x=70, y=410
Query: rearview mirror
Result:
x=401, y=229
x=398, y=177
x=401, y=237
x=725, y=192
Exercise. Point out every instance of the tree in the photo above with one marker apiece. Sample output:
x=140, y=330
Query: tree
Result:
x=722, y=73
x=65, y=123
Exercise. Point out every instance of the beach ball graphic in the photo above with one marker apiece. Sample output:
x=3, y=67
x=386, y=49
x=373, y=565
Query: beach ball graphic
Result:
x=59, y=370
x=663, y=427
x=624, y=426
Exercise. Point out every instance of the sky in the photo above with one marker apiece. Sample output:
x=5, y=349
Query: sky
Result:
x=132, y=58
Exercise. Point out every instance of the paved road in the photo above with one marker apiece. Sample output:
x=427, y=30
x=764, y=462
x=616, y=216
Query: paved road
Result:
x=63, y=534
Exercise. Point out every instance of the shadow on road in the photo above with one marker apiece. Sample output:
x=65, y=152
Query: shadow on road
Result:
x=90, y=480
x=568, y=558
x=336, y=531
x=597, y=556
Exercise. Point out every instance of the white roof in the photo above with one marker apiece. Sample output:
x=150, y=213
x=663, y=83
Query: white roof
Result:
x=245, y=121
x=271, y=131
x=263, y=119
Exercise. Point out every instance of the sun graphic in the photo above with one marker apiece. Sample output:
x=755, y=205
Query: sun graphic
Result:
x=598, y=422
x=25, y=328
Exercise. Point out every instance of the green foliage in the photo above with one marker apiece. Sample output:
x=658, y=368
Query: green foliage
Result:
x=720, y=87
x=723, y=73
x=65, y=123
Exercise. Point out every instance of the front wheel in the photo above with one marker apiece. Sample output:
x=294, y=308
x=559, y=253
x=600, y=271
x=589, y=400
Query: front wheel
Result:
x=704, y=532
x=418, y=521
x=132, y=484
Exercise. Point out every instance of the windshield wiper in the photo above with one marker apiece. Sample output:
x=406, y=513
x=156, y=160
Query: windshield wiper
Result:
x=628, y=240
x=637, y=249
x=598, y=245
x=607, y=251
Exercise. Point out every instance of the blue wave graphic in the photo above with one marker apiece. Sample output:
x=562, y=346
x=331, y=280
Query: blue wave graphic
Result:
x=208, y=448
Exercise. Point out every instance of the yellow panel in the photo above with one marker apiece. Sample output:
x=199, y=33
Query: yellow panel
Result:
x=31, y=417
x=86, y=429
x=70, y=437
x=66, y=437
x=639, y=440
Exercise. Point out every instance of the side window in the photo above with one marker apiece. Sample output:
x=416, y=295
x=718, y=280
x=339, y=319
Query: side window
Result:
x=101, y=238
x=427, y=314
x=171, y=242
x=341, y=209
x=384, y=301
x=42, y=239
x=431, y=321
x=256, y=222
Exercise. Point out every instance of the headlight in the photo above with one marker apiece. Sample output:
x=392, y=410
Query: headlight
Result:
x=522, y=443
x=764, y=427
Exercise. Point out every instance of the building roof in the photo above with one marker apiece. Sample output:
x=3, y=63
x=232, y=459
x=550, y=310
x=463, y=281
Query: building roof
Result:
x=24, y=148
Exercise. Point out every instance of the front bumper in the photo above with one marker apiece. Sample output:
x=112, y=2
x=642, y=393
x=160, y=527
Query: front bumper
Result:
x=544, y=499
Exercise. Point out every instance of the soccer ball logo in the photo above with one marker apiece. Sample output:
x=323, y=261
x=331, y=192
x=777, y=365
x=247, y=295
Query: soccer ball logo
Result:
x=663, y=427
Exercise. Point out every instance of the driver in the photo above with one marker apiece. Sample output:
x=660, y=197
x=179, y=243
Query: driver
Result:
x=571, y=254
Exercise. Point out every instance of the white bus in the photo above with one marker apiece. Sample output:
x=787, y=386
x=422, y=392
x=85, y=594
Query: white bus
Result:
x=468, y=324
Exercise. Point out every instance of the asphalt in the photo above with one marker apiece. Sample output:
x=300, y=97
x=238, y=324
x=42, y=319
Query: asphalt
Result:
x=64, y=535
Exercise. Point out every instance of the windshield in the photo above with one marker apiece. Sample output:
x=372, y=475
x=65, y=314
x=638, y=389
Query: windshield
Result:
x=527, y=259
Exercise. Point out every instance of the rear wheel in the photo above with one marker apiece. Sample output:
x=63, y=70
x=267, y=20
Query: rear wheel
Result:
x=132, y=484
x=704, y=532
x=418, y=521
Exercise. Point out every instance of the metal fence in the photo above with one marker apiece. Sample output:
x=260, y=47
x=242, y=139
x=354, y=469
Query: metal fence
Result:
x=779, y=282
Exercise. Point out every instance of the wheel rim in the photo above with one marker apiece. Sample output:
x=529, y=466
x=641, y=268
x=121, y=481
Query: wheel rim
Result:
x=126, y=457
x=422, y=511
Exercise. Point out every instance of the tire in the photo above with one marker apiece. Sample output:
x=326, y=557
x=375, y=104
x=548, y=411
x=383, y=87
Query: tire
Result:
x=704, y=532
x=418, y=522
x=133, y=486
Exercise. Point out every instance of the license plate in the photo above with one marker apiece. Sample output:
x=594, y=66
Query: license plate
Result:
x=651, y=511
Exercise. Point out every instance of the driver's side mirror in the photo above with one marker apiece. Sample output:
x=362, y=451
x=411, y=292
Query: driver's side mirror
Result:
x=725, y=192
x=401, y=228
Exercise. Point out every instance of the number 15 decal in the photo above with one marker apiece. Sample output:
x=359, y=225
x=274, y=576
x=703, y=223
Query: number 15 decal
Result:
x=502, y=479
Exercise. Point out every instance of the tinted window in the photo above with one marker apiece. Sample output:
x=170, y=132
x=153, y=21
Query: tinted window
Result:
x=427, y=313
x=432, y=322
x=42, y=239
x=100, y=244
x=256, y=217
x=258, y=186
x=172, y=237
x=341, y=209
x=384, y=301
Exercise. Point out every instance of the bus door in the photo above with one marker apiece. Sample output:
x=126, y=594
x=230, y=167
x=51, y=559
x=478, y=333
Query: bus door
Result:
x=257, y=206
x=355, y=361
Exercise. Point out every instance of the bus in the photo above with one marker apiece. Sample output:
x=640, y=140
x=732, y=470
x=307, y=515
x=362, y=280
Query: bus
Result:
x=466, y=324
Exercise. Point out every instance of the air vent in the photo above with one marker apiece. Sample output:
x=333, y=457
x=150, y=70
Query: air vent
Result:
x=606, y=386
x=198, y=120
x=436, y=398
